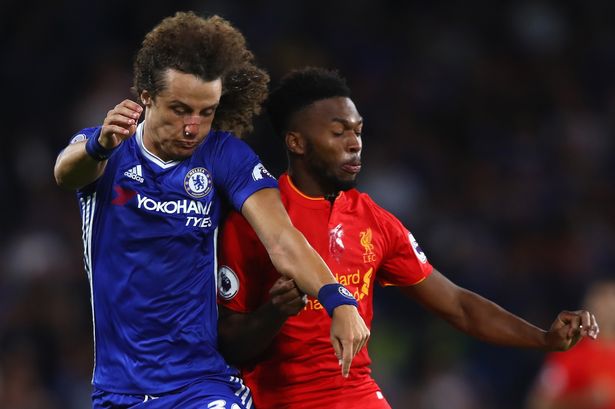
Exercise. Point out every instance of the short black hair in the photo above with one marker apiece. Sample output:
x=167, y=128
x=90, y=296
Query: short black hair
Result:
x=300, y=88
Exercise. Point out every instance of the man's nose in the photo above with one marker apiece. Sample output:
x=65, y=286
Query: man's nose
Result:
x=191, y=124
x=354, y=142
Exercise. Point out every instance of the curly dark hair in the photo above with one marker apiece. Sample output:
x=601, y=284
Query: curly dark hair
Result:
x=300, y=88
x=209, y=48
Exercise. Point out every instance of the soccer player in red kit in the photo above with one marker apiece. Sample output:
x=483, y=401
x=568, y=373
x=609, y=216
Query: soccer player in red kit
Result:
x=583, y=378
x=279, y=337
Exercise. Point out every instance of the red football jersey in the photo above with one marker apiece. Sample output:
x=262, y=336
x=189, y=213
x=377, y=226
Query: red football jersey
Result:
x=361, y=243
x=590, y=365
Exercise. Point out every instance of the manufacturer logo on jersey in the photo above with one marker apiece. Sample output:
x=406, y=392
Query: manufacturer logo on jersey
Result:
x=198, y=182
x=336, y=245
x=367, y=278
x=259, y=172
x=228, y=283
x=417, y=249
x=135, y=173
x=366, y=242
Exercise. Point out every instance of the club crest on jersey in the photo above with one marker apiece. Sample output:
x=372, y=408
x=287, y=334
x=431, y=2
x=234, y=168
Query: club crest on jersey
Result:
x=259, y=172
x=366, y=242
x=417, y=249
x=228, y=283
x=198, y=182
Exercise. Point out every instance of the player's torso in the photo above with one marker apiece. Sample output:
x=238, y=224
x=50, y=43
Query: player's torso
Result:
x=151, y=264
x=156, y=225
x=346, y=235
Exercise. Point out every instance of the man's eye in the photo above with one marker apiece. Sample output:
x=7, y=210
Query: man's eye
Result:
x=338, y=133
x=179, y=111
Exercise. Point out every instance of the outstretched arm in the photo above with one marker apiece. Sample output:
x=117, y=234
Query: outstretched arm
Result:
x=75, y=168
x=293, y=257
x=244, y=336
x=487, y=321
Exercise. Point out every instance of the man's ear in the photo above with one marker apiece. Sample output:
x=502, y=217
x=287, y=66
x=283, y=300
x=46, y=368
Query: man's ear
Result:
x=146, y=98
x=295, y=142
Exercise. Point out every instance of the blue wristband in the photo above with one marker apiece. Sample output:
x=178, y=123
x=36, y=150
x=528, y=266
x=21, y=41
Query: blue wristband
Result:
x=96, y=150
x=334, y=295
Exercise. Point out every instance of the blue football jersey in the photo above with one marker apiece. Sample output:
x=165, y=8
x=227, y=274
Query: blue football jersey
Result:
x=149, y=234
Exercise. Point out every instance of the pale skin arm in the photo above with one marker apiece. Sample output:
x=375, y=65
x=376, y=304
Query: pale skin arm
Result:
x=487, y=321
x=75, y=169
x=293, y=257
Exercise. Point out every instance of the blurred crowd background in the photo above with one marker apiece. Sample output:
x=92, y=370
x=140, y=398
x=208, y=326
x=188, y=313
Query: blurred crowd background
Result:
x=489, y=133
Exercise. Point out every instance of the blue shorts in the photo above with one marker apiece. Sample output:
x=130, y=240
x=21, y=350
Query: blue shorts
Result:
x=206, y=394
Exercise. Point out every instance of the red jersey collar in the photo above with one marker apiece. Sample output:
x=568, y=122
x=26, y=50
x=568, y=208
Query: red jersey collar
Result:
x=318, y=202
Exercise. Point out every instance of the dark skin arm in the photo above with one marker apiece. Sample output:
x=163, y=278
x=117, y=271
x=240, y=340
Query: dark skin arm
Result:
x=243, y=337
x=247, y=335
x=487, y=321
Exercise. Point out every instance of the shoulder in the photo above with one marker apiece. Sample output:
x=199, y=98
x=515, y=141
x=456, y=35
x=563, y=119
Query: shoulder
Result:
x=365, y=202
x=225, y=140
x=84, y=134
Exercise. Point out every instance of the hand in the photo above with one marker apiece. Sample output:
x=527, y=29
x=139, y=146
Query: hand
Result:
x=286, y=298
x=569, y=327
x=348, y=335
x=120, y=123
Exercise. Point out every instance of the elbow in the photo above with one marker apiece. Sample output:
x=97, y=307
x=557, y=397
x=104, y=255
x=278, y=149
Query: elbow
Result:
x=60, y=175
x=59, y=178
x=62, y=181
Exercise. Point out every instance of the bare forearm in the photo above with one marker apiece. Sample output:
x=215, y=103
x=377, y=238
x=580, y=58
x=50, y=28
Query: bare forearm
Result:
x=243, y=337
x=75, y=169
x=473, y=314
x=289, y=251
x=489, y=322
x=293, y=257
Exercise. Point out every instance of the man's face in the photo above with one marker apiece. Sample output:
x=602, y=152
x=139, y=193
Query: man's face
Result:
x=331, y=130
x=179, y=118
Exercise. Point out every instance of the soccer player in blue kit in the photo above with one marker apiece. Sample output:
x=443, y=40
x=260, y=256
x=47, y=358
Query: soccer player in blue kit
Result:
x=151, y=196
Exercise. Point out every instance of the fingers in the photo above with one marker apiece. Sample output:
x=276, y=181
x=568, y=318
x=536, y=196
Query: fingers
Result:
x=348, y=335
x=283, y=285
x=120, y=123
x=594, y=329
x=348, y=352
x=337, y=347
x=286, y=297
x=575, y=325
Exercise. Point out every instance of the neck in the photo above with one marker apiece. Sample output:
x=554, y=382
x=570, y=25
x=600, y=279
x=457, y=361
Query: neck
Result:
x=310, y=185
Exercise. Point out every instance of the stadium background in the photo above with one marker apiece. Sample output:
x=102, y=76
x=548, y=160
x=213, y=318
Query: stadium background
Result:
x=489, y=132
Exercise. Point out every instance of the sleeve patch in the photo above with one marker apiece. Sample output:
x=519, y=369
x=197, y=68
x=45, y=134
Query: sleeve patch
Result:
x=228, y=283
x=417, y=249
x=260, y=171
x=78, y=138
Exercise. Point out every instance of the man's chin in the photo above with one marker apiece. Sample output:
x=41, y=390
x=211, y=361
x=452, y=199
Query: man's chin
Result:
x=343, y=185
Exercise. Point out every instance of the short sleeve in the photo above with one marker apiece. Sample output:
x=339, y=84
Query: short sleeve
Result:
x=404, y=263
x=240, y=171
x=242, y=261
x=84, y=134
